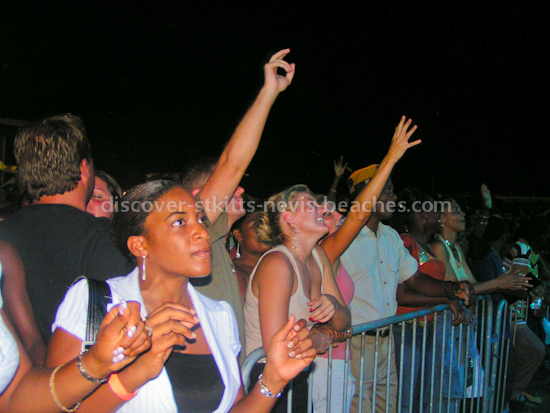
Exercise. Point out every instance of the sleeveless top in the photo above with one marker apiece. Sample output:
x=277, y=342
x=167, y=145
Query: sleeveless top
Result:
x=347, y=289
x=297, y=305
x=458, y=266
x=9, y=354
x=427, y=264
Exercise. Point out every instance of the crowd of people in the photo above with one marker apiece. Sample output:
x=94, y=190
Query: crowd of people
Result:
x=150, y=299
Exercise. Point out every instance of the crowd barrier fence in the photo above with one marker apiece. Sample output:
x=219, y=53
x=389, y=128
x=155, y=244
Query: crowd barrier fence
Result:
x=456, y=369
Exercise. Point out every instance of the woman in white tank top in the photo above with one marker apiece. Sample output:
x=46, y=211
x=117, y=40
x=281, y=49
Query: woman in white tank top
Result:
x=295, y=277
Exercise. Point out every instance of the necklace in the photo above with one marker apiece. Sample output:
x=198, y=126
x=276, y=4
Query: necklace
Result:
x=454, y=251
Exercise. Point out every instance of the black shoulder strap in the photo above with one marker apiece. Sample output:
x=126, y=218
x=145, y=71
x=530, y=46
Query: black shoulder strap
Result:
x=99, y=296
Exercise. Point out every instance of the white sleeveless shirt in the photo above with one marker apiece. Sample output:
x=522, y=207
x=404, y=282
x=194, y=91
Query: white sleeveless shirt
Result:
x=297, y=306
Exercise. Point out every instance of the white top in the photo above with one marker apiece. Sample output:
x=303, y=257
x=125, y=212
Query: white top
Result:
x=297, y=305
x=376, y=264
x=217, y=321
x=9, y=354
x=457, y=265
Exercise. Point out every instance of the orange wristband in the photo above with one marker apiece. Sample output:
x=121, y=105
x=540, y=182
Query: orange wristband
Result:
x=118, y=388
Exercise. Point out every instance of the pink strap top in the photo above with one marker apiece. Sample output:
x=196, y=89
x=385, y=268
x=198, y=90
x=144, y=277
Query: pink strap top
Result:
x=347, y=289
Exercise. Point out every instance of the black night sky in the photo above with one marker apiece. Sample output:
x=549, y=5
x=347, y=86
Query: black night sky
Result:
x=158, y=84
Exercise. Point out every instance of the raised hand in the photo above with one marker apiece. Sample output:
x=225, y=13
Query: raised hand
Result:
x=486, y=197
x=289, y=353
x=120, y=339
x=273, y=81
x=400, y=141
x=340, y=167
x=322, y=308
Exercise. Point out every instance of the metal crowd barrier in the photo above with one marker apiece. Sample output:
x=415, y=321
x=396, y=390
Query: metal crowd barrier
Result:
x=477, y=351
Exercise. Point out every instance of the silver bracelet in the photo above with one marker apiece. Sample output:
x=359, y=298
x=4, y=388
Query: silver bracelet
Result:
x=85, y=374
x=265, y=391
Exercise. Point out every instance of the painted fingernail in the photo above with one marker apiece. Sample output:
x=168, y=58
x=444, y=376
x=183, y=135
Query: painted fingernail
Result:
x=119, y=358
x=290, y=344
x=119, y=351
x=291, y=354
x=310, y=310
x=311, y=319
x=122, y=307
x=299, y=356
x=131, y=331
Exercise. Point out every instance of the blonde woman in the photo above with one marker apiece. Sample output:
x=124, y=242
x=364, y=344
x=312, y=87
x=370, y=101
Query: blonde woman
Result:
x=295, y=277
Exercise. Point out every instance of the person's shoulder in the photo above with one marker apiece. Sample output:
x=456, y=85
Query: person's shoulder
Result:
x=211, y=305
x=386, y=229
x=276, y=258
x=389, y=232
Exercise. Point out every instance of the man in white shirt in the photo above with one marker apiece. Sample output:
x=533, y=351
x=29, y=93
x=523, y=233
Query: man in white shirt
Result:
x=377, y=262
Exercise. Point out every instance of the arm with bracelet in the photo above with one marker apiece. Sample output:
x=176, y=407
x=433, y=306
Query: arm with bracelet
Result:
x=121, y=338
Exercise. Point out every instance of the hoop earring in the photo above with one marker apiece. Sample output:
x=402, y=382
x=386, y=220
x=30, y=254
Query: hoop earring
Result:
x=143, y=271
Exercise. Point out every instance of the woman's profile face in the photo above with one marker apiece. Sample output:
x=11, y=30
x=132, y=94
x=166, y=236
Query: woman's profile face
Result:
x=308, y=214
x=332, y=217
x=453, y=217
x=175, y=236
x=101, y=202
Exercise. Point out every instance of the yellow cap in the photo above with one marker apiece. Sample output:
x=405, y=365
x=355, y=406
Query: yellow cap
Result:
x=360, y=178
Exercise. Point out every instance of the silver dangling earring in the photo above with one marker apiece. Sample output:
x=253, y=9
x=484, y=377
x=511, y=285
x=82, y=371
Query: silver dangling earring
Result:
x=238, y=253
x=143, y=272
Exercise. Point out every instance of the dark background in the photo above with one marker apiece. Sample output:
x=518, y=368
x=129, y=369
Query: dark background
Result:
x=159, y=84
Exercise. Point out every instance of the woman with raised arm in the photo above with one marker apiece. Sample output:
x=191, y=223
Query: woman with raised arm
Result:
x=294, y=277
x=192, y=364
x=341, y=234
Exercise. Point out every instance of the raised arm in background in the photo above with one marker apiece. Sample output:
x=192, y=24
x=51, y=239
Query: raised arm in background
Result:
x=335, y=244
x=242, y=146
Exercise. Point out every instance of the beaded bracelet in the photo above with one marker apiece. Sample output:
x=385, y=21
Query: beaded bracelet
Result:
x=84, y=373
x=265, y=390
x=54, y=394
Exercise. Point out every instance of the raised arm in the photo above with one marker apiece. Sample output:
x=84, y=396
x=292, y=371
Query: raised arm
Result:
x=483, y=218
x=242, y=146
x=360, y=212
x=339, y=169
